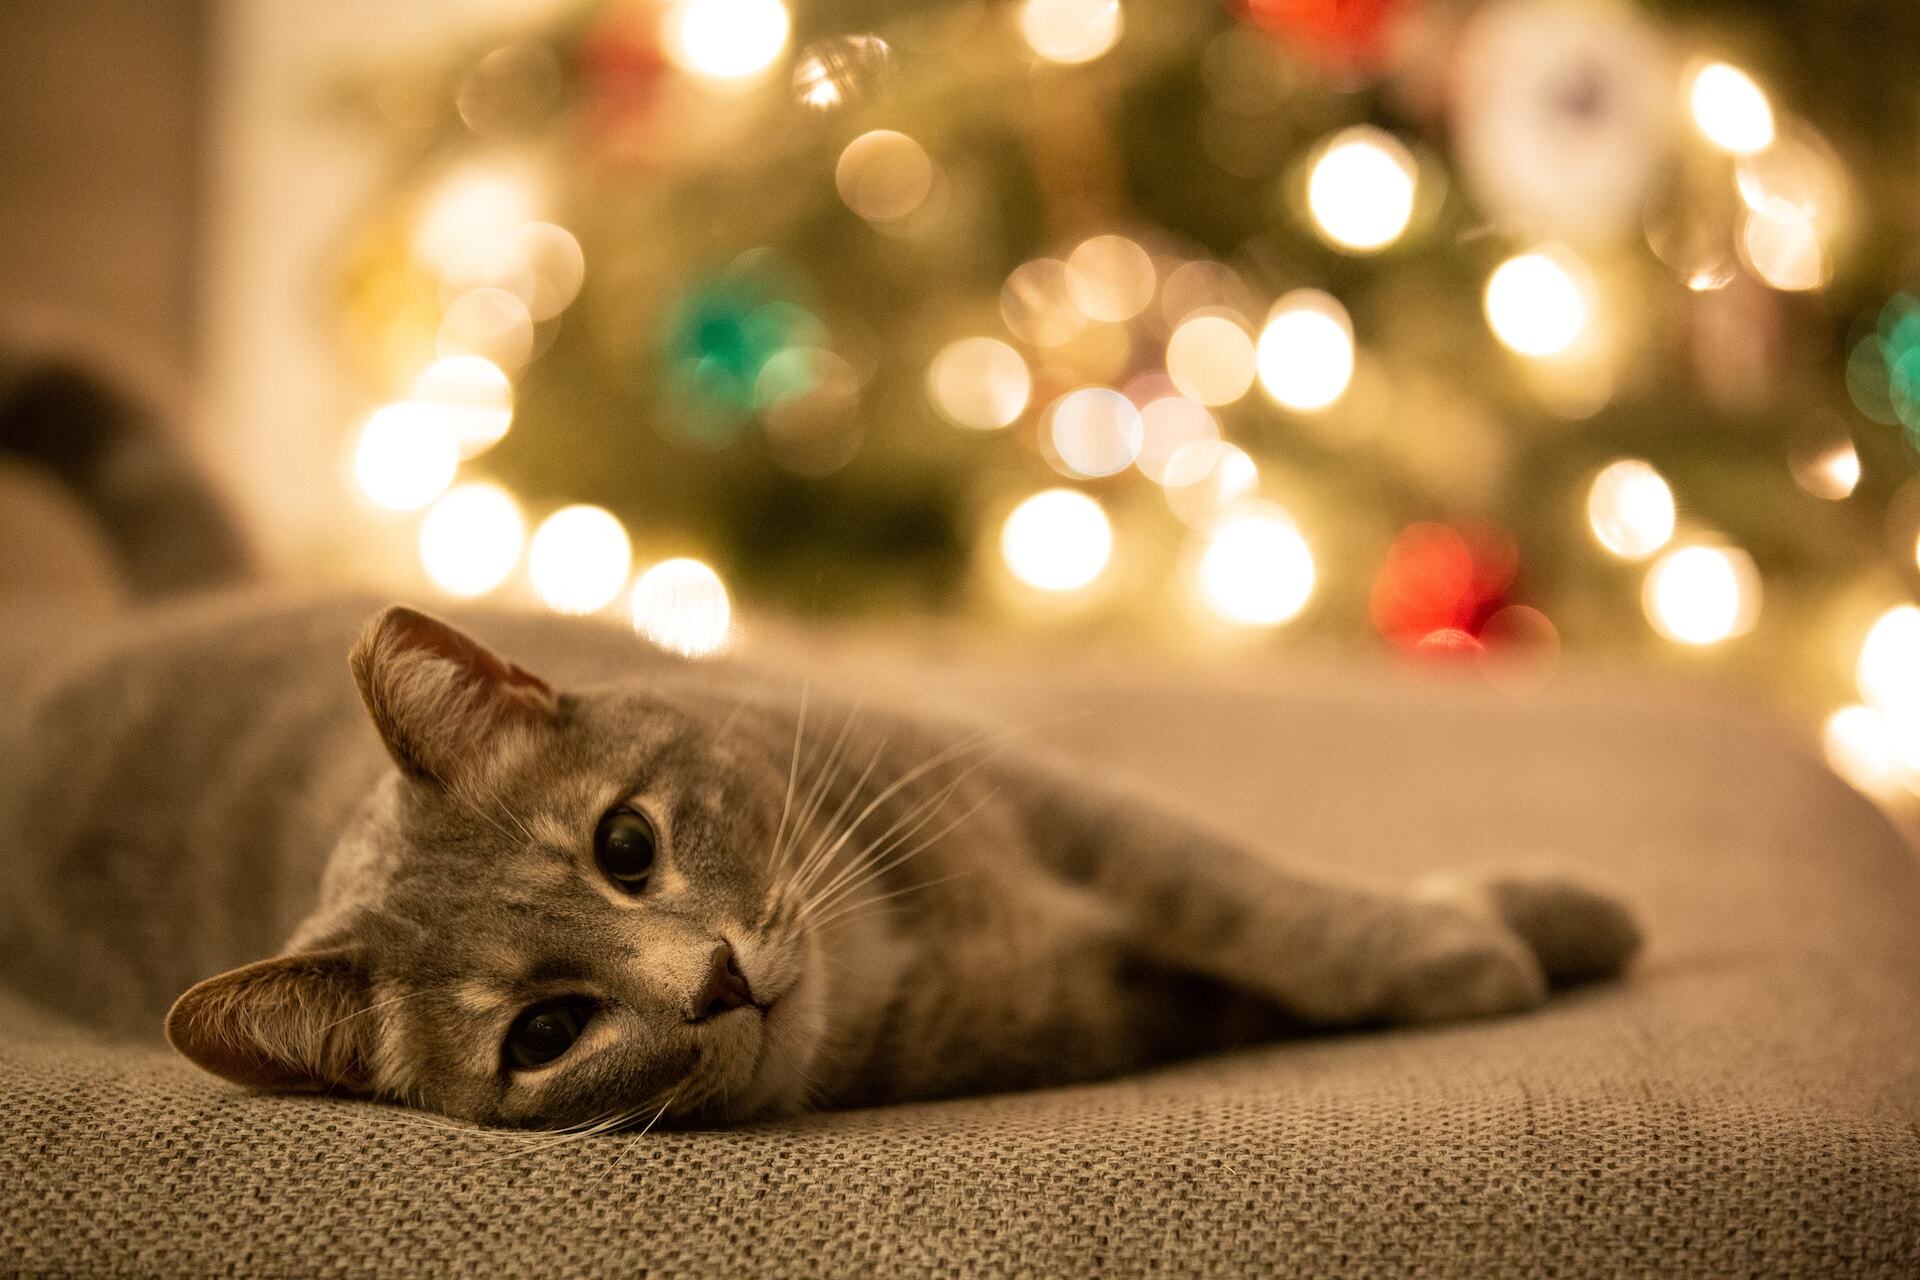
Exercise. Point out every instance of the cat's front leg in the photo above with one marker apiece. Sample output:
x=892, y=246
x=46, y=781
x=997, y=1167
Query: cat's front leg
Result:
x=1332, y=954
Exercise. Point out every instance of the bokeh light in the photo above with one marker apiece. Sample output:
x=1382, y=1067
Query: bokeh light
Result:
x=475, y=204
x=1211, y=359
x=1780, y=243
x=1169, y=424
x=579, y=559
x=883, y=175
x=1536, y=303
x=1730, y=110
x=1038, y=305
x=541, y=264
x=725, y=40
x=1110, y=278
x=835, y=73
x=473, y=395
x=1361, y=189
x=682, y=605
x=1071, y=31
x=1256, y=569
x=471, y=539
x=1888, y=672
x=406, y=456
x=491, y=323
x=980, y=383
x=1859, y=746
x=1094, y=432
x=1203, y=479
x=1630, y=509
x=1830, y=472
x=1305, y=354
x=1057, y=540
x=1701, y=595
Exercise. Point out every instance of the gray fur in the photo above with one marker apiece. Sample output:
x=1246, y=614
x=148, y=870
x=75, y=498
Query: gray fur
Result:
x=926, y=909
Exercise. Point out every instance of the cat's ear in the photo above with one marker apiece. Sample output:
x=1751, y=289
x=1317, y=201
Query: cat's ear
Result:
x=291, y=1023
x=437, y=695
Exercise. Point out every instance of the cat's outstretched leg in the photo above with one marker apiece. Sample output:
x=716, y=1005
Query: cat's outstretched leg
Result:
x=1332, y=954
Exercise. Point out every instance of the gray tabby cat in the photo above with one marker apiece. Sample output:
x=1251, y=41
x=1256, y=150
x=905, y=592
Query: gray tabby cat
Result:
x=655, y=889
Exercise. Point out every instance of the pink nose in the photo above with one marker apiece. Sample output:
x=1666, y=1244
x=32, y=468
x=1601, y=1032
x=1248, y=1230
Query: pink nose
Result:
x=725, y=989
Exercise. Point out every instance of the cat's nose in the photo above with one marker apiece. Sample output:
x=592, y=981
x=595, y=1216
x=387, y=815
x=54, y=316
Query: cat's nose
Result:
x=725, y=988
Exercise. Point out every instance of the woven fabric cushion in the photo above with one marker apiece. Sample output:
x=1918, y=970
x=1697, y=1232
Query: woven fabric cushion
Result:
x=1748, y=1103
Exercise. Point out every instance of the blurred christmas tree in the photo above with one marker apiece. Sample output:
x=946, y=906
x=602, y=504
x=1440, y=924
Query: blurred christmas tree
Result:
x=1469, y=329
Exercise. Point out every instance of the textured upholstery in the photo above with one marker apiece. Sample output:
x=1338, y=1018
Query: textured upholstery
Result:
x=1748, y=1103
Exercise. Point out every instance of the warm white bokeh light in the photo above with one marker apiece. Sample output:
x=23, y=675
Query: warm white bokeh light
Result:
x=1057, y=540
x=487, y=322
x=1071, y=31
x=1730, y=110
x=1094, y=431
x=1168, y=425
x=1205, y=478
x=1630, y=509
x=579, y=559
x=1781, y=242
x=477, y=204
x=1210, y=358
x=1110, y=278
x=471, y=539
x=1888, y=672
x=1859, y=747
x=1360, y=191
x=1833, y=473
x=981, y=383
x=883, y=175
x=1305, y=355
x=1701, y=595
x=406, y=456
x=542, y=264
x=682, y=605
x=1256, y=570
x=1037, y=305
x=1536, y=303
x=726, y=40
x=473, y=394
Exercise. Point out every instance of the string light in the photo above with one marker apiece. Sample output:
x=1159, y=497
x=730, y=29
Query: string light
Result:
x=1094, y=432
x=1701, y=595
x=1256, y=570
x=1536, y=303
x=1211, y=358
x=1057, y=540
x=1360, y=190
x=1730, y=110
x=883, y=175
x=1630, y=509
x=1038, y=306
x=682, y=605
x=979, y=383
x=1110, y=278
x=406, y=456
x=1305, y=354
x=834, y=73
x=726, y=40
x=475, y=204
x=1831, y=473
x=1781, y=243
x=471, y=539
x=1071, y=31
x=473, y=395
x=579, y=559
x=1206, y=478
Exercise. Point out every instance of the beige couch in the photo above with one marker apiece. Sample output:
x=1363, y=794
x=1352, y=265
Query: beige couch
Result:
x=1748, y=1104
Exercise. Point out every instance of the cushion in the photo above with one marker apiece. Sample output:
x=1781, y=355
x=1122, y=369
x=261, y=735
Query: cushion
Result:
x=1746, y=1103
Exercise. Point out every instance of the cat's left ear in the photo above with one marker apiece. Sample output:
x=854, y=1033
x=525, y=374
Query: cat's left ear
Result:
x=438, y=696
x=291, y=1024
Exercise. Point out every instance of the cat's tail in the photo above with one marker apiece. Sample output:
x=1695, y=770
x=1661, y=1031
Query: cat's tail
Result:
x=167, y=528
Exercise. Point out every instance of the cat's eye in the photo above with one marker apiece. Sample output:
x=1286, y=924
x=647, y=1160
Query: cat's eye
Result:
x=543, y=1032
x=623, y=846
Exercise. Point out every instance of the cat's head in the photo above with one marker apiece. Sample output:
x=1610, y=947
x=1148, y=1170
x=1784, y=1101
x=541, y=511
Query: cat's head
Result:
x=556, y=909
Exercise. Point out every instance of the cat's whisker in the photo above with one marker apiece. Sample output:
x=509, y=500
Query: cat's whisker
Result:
x=894, y=863
x=635, y=1140
x=847, y=912
x=793, y=777
x=812, y=865
x=817, y=787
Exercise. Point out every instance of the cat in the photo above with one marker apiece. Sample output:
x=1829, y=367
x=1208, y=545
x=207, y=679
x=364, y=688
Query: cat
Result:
x=617, y=887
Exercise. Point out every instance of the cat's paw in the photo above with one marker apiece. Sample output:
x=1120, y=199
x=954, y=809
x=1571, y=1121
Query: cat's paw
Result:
x=1577, y=933
x=1466, y=967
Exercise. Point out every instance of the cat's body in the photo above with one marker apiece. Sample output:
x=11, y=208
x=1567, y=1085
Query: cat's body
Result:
x=635, y=887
